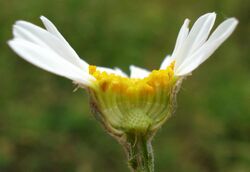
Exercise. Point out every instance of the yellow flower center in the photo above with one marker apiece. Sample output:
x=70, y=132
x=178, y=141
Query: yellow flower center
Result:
x=133, y=86
x=133, y=104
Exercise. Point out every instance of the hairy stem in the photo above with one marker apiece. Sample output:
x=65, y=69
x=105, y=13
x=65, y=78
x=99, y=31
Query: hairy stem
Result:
x=140, y=154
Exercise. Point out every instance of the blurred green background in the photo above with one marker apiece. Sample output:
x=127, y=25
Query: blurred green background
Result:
x=44, y=126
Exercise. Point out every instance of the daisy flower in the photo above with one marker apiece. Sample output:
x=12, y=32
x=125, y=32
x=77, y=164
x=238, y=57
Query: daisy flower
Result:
x=131, y=108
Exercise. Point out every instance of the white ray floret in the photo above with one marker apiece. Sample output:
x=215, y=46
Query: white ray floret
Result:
x=194, y=47
x=166, y=62
x=48, y=49
x=116, y=71
x=137, y=72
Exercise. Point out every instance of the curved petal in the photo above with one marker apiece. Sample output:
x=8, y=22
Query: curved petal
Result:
x=200, y=31
x=48, y=60
x=53, y=30
x=183, y=33
x=197, y=36
x=137, y=72
x=222, y=32
x=166, y=62
x=40, y=36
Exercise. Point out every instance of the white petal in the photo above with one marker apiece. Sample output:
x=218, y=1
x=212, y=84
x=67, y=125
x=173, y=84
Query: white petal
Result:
x=120, y=72
x=197, y=36
x=183, y=33
x=222, y=32
x=35, y=34
x=137, y=72
x=111, y=71
x=52, y=29
x=193, y=62
x=200, y=31
x=166, y=62
x=50, y=61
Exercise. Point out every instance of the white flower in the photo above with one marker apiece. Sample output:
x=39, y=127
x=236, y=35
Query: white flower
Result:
x=49, y=50
x=139, y=103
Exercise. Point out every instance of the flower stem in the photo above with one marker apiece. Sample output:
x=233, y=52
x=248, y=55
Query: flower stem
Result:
x=140, y=154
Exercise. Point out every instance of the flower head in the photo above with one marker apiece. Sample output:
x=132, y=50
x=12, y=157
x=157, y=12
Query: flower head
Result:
x=139, y=103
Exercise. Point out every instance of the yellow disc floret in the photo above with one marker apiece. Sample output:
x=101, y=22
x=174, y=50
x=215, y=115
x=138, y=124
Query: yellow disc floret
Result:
x=133, y=104
x=133, y=86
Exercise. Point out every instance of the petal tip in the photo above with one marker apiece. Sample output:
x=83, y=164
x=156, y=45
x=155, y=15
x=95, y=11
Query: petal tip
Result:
x=9, y=42
x=234, y=20
x=186, y=22
x=211, y=15
x=43, y=18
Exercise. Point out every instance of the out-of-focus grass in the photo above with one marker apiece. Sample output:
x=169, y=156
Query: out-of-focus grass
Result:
x=44, y=126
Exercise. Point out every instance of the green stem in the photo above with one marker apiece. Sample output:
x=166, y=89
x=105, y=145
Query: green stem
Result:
x=140, y=154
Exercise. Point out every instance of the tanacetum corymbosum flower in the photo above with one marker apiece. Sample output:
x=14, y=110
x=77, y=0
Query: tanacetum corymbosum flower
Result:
x=139, y=103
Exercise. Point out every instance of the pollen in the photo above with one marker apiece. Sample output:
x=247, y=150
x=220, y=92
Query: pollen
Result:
x=131, y=87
